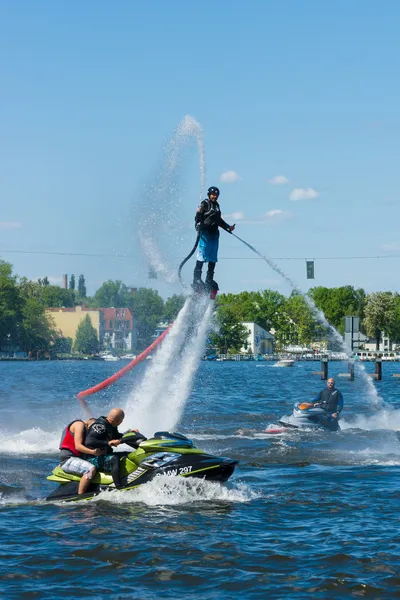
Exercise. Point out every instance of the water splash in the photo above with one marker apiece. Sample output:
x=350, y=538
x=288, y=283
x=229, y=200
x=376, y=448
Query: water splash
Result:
x=172, y=491
x=160, y=399
x=29, y=441
x=159, y=209
x=372, y=393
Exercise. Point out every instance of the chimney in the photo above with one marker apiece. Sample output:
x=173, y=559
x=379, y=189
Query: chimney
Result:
x=133, y=291
x=65, y=282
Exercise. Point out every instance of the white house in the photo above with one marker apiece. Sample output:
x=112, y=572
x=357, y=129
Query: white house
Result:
x=259, y=340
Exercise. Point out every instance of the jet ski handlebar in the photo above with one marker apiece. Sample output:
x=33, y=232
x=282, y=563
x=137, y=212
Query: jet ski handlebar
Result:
x=133, y=438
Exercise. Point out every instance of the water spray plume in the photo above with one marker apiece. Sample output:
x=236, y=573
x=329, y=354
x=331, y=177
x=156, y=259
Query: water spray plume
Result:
x=158, y=211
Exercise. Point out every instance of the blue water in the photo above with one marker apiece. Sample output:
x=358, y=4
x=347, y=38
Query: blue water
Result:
x=306, y=514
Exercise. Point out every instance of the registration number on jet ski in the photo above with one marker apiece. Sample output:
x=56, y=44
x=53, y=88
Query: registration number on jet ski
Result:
x=179, y=471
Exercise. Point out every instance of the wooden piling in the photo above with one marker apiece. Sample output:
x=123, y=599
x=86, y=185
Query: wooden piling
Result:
x=378, y=369
x=324, y=369
x=351, y=370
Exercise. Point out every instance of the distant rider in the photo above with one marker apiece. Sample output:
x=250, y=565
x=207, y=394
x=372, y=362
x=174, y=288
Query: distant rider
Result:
x=330, y=399
x=207, y=220
x=73, y=447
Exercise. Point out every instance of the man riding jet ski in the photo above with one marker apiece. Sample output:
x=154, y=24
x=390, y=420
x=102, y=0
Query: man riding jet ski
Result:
x=322, y=413
x=164, y=454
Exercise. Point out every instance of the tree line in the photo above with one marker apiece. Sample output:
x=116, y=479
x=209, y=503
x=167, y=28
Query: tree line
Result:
x=294, y=319
x=24, y=322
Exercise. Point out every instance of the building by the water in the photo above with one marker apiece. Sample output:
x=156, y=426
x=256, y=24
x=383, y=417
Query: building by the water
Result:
x=115, y=327
x=259, y=341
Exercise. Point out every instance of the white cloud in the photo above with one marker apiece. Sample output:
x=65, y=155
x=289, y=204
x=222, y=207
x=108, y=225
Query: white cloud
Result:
x=237, y=216
x=303, y=194
x=277, y=213
x=229, y=177
x=278, y=180
x=10, y=225
x=392, y=247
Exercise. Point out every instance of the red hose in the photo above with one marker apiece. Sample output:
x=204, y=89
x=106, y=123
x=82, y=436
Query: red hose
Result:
x=104, y=384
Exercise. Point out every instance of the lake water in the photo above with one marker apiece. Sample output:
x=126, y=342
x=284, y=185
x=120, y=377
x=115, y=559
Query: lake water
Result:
x=306, y=514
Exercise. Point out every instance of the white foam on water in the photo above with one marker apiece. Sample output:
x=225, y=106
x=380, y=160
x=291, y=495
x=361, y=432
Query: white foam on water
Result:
x=172, y=491
x=29, y=441
x=385, y=418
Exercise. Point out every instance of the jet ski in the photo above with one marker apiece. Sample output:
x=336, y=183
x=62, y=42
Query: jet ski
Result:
x=311, y=416
x=166, y=453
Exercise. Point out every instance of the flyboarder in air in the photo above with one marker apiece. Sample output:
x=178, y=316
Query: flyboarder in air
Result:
x=208, y=219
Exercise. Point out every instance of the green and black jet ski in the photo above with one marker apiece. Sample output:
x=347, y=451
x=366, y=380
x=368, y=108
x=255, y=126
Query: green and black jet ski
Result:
x=164, y=454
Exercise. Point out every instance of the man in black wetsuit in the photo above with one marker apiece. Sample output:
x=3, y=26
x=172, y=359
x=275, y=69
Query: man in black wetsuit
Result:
x=331, y=400
x=104, y=434
x=208, y=219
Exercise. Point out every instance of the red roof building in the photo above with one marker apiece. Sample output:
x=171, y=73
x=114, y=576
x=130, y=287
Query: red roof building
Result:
x=117, y=330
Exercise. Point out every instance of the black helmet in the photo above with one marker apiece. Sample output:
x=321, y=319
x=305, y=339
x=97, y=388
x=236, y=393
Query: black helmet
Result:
x=213, y=190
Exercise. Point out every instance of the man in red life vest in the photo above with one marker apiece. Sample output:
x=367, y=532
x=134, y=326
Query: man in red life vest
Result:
x=72, y=446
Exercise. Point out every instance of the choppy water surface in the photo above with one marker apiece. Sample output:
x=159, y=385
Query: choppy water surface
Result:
x=306, y=514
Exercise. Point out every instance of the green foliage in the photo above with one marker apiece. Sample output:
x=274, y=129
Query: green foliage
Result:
x=381, y=309
x=86, y=339
x=297, y=325
x=112, y=294
x=11, y=305
x=337, y=303
x=35, y=330
x=48, y=295
x=62, y=345
x=81, y=287
x=72, y=282
x=147, y=309
x=232, y=335
x=172, y=307
x=263, y=308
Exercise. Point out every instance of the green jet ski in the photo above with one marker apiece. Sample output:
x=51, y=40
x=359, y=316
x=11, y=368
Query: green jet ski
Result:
x=165, y=454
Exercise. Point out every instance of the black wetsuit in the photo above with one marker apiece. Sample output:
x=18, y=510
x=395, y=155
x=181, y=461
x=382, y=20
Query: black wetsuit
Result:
x=331, y=400
x=98, y=436
x=208, y=219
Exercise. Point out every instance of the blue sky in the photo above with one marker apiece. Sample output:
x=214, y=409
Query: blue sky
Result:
x=306, y=91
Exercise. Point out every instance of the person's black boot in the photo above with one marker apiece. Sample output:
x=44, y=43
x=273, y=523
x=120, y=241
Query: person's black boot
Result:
x=198, y=285
x=197, y=272
x=210, y=273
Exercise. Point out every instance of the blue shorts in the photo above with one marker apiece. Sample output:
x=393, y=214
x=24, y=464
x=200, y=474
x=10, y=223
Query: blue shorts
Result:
x=102, y=463
x=208, y=247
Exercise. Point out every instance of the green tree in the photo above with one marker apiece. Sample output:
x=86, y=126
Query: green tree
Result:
x=72, y=282
x=112, y=293
x=380, y=315
x=172, y=307
x=10, y=305
x=49, y=295
x=81, y=287
x=337, y=303
x=86, y=339
x=298, y=325
x=263, y=308
x=147, y=308
x=232, y=335
x=36, y=331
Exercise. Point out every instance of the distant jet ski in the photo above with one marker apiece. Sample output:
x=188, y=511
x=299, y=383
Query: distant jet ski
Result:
x=164, y=454
x=309, y=415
